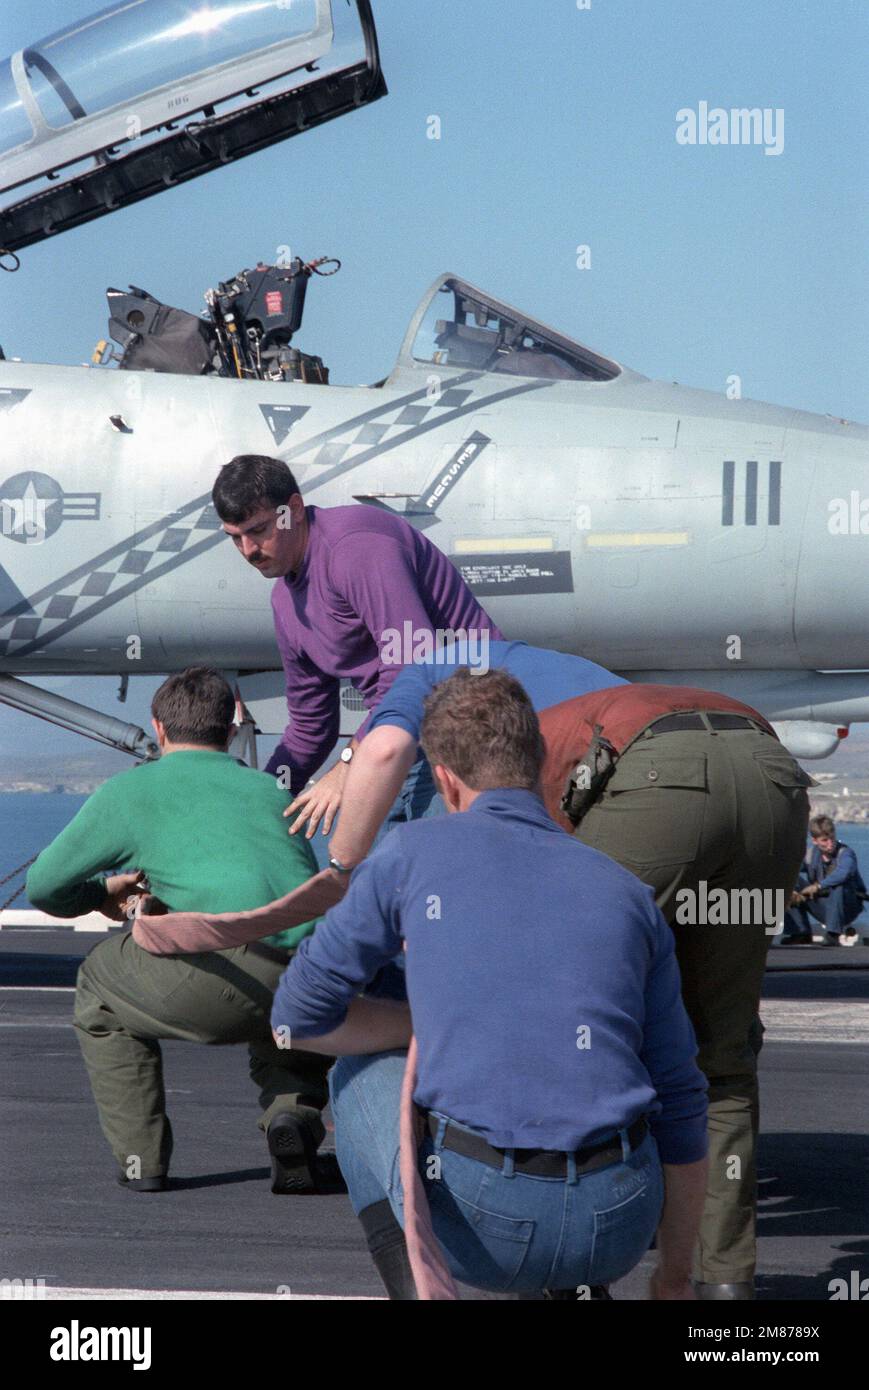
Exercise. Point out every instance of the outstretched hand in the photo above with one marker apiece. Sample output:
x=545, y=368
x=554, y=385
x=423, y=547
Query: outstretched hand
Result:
x=320, y=801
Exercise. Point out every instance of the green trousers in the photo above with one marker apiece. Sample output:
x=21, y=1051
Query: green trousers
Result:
x=725, y=809
x=127, y=1000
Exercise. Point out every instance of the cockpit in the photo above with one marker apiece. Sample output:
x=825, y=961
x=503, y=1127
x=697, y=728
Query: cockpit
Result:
x=253, y=317
x=459, y=326
x=148, y=93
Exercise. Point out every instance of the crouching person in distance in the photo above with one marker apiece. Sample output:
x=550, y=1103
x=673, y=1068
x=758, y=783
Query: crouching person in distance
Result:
x=207, y=833
x=564, y=1116
x=830, y=890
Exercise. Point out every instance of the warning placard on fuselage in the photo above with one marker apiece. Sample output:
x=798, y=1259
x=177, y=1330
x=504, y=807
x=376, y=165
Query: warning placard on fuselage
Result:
x=542, y=572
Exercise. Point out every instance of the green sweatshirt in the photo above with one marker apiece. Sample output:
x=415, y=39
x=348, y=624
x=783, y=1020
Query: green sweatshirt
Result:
x=207, y=831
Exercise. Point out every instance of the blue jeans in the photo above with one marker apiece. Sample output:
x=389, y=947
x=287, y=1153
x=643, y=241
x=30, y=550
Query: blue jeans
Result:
x=836, y=912
x=417, y=799
x=500, y=1230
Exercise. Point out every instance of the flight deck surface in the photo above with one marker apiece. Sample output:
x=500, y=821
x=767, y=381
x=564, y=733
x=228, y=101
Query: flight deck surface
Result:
x=219, y=1231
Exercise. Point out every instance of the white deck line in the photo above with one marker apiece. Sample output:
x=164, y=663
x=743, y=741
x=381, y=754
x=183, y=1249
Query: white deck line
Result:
x=28, y=919
x=785, y=1020
x=49, y=1294
x=814, y=1021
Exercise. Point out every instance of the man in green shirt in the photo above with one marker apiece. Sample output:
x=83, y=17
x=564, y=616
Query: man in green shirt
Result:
x=199, y=831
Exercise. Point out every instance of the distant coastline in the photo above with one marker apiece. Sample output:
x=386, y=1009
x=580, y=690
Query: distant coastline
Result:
x=857, y=815
x=846, y=810
x=67, y=776
x=75, y=787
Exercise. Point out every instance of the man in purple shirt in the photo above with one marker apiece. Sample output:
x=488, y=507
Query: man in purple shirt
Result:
x=359, y=591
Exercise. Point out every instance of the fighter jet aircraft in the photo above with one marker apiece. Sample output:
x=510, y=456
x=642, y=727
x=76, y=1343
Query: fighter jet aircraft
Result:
x=670, y=534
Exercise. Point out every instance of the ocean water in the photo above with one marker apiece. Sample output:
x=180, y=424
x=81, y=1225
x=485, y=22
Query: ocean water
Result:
x=30, y=820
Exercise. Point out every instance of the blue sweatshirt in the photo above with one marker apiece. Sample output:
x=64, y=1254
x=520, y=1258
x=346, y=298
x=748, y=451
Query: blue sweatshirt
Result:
x=541, y=977
x=548, y=678
x=840, y=871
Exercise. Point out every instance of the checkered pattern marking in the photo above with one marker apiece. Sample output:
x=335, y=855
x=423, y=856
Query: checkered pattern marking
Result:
x=380, y=429
x=109, y=577
x=36, y=621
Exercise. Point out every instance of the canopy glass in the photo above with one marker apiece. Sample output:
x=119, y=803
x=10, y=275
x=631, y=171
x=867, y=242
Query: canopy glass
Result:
x=205, y=81
x=458, y=325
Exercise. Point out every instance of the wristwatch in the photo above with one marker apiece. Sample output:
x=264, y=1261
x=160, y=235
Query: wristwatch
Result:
x=346, y=754
x=338, y=866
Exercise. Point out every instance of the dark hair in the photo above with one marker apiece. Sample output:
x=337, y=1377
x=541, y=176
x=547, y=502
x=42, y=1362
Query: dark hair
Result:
x=248, y=482
x=195, y=706
x=822, y=826
x=484, y=729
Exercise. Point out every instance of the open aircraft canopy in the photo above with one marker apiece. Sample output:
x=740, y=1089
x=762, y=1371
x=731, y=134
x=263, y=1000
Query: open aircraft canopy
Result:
x=97, y=116
x=457, y=325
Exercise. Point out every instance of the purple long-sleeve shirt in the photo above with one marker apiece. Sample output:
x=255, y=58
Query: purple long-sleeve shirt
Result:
x=365, y=572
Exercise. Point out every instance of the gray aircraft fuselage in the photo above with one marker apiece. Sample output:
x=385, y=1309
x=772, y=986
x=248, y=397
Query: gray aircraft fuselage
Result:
x=650, y=527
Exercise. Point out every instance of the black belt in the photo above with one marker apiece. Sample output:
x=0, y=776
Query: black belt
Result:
x=541, y=1163
x=672, y=723
x=280, y=955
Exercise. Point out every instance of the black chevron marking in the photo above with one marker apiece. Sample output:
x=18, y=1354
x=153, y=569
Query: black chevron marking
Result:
x=386, y=407
x=59, y=585
x=12, y=601
x=281, y=418
x=117, y=594
x=10, y=396
x=25, y=605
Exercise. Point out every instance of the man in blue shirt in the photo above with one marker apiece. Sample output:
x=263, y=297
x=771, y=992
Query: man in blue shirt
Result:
x=556, y=1065
x=689, y=805
x=389, y=749
x=830, y=869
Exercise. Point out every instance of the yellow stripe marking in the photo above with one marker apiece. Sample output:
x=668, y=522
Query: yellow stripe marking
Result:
x=608, y=540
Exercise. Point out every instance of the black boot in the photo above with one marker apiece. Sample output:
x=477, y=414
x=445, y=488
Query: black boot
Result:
x=156, y=1184
x=297, y=1167
x=293, y=1150
x=389, y=1251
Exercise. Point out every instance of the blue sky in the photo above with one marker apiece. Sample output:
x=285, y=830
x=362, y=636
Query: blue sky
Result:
x=557, y=129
